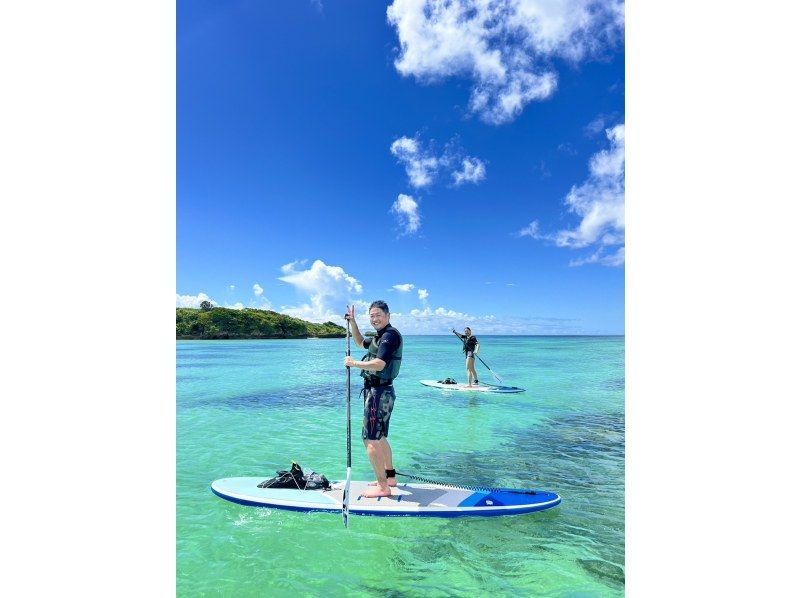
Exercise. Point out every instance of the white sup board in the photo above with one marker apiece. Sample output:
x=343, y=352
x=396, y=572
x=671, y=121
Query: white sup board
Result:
x=474, y=388
x=421, y=500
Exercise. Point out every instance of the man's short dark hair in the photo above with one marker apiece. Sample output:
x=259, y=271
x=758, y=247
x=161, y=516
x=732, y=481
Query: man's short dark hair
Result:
x=381, y=305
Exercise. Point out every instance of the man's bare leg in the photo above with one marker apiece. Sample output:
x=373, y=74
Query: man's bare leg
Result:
x=387, y=452
x=376, y=452
x=471, y=373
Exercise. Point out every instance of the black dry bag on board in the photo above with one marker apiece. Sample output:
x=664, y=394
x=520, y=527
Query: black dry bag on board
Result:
x=294, y=478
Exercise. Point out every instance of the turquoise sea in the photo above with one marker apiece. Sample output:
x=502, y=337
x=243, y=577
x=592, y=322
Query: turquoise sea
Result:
x=248, y=408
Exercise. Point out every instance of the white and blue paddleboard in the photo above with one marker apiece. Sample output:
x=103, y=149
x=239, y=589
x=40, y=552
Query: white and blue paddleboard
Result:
x=474, y=388
x=421, y=500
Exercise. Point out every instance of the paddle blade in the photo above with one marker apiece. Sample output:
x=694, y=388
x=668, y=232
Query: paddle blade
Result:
x=346, y=500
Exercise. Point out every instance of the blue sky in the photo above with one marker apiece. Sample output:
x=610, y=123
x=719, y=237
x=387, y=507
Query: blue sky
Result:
x=464, y=163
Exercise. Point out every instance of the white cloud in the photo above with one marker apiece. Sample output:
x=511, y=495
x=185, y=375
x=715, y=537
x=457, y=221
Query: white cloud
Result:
x=312, y=313
x=262, y=303
x=257, y=290
x=506, y=47
x=192, y=300
x=532, y=230
x=441, y=320
x=422, y=294
x=473, y=171
x=231, y=288
x=567, y=149
x=329, y=290
x=406, y=210
x=290, y=267
x=329, y=301
x=321, y=279
x=237, y=305
x=599, y=124
x=439, y=311
x=600, y=257
x=430, y=321
x=403, y=288
x=546, y=174
x=600, y=202
x=421, y=165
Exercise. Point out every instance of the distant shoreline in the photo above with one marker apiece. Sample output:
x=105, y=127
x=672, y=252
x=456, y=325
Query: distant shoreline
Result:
x=223, y=336
x=242, y=337
x=222, y=323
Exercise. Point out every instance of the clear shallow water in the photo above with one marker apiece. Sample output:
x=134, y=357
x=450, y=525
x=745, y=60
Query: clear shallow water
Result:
x=249, y=407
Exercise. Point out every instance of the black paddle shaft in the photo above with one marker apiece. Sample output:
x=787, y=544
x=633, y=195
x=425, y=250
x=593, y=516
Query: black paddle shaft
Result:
x=349, y=450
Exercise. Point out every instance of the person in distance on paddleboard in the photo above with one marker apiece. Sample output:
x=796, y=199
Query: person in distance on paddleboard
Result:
x=471, y=348
x=379, y=367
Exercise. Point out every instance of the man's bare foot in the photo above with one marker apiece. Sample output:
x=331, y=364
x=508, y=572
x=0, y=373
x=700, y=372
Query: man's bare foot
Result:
x=377, y=492
x=392, y=482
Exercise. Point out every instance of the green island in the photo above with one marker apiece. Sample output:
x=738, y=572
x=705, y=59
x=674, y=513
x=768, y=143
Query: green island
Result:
x=210, y=323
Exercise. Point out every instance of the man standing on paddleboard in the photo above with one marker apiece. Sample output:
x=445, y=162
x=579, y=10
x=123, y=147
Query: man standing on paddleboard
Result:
x=471, y=348
x=379, y=367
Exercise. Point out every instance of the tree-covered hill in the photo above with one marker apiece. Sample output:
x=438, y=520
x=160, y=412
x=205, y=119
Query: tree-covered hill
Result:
x=221, y=323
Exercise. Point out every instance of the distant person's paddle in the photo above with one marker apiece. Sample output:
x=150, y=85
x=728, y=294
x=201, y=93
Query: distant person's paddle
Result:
x=496, y=377
x=346, y=494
